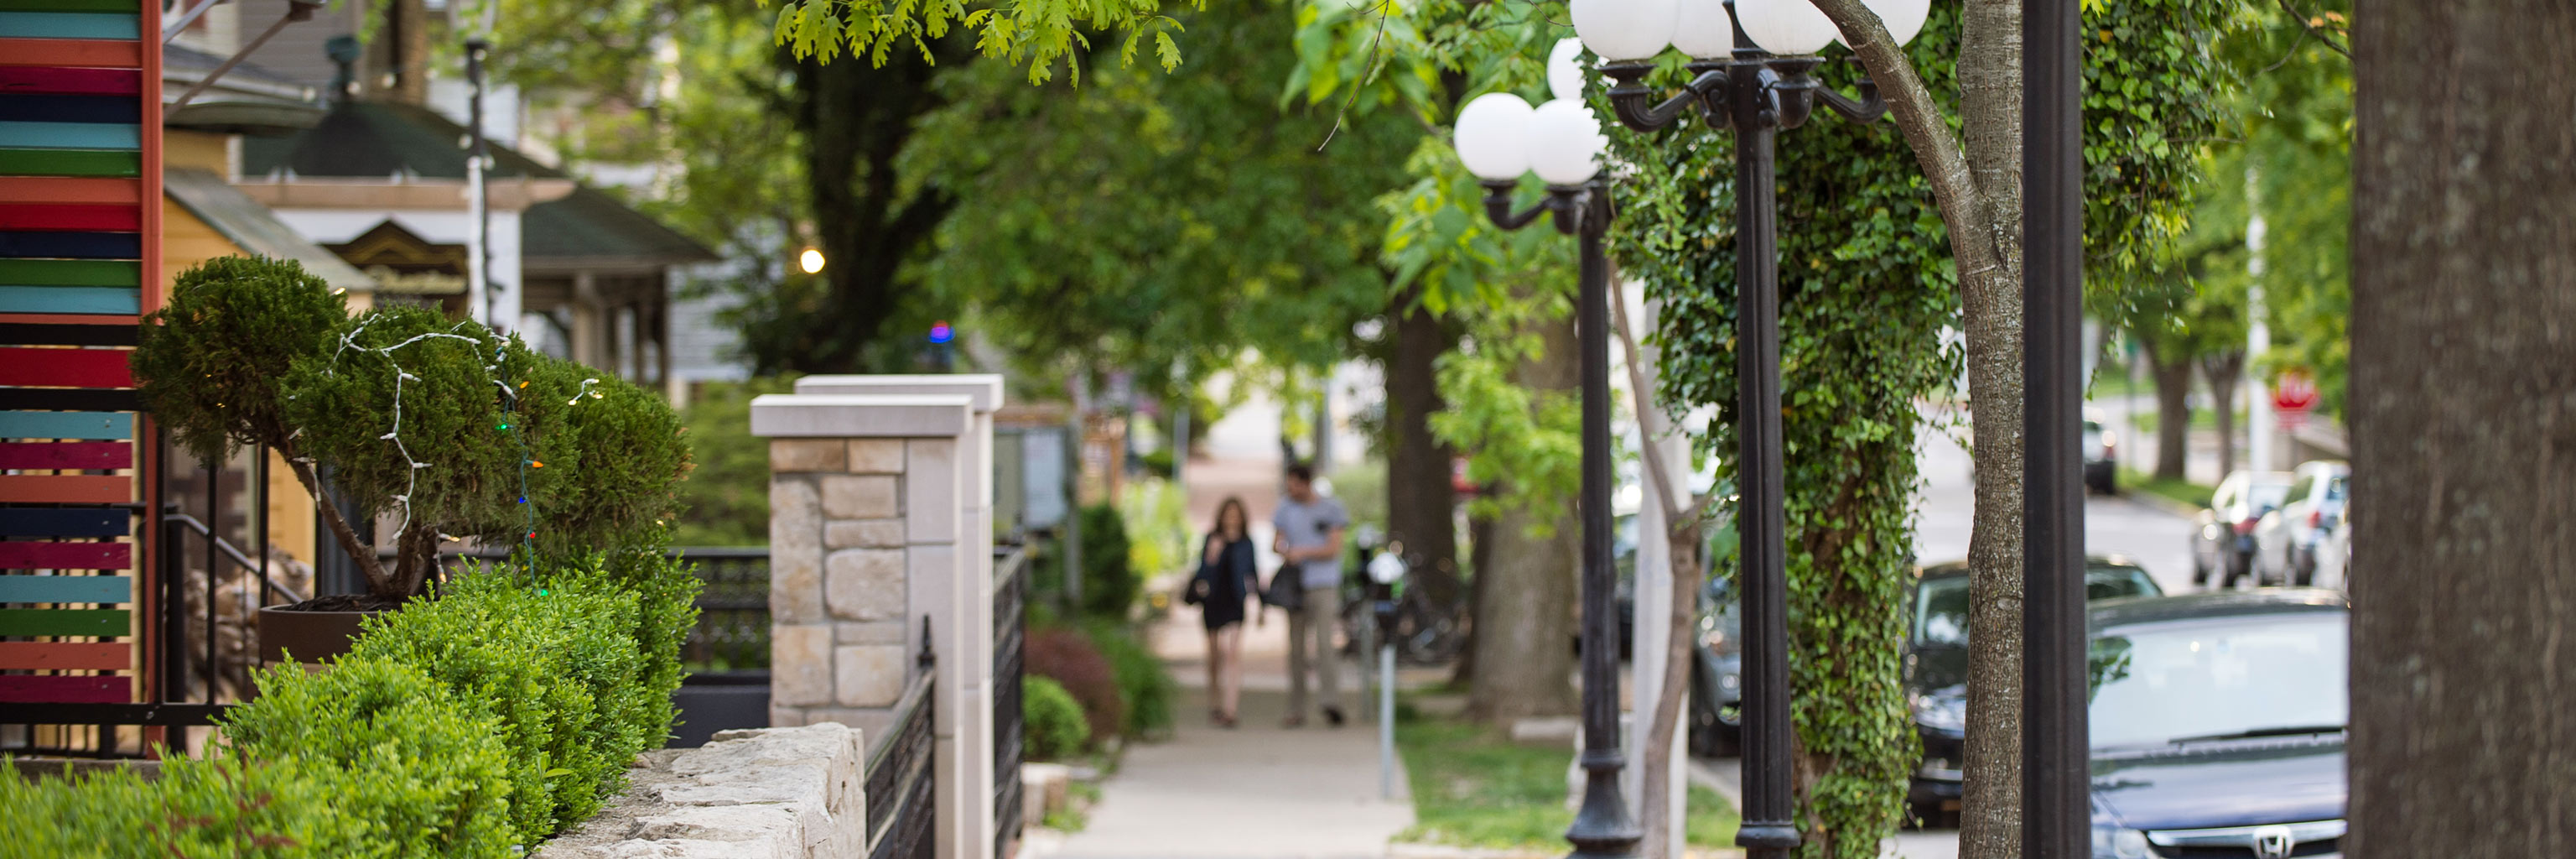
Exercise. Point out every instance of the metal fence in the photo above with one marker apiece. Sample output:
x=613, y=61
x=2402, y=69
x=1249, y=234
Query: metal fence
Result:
x=1010, y=614
x=900, y=780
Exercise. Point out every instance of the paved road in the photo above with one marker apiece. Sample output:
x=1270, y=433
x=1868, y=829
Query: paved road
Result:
x=2155, y=539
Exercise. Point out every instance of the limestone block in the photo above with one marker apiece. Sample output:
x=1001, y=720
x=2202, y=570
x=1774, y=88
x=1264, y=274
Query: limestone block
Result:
x=1044, y=788
x=875, y=456
x=795, y=551
x=772, y=793
x=807, y=454
x=872, y=632
x=863, y=534
x=869, y=675
x=800, y=663
x=932, y=486
x=856, y=496
x=865, y=584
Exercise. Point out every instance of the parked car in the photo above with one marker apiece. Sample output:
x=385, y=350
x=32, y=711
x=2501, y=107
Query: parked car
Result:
x=2217, y=725
x=1936, y=667
x=2101, y=455
x=2334, y=553
x=2285, y=542
x=1717, y=673
x=2222, y=538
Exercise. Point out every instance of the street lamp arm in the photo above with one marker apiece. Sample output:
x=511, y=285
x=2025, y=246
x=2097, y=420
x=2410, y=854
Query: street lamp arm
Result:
x=1630, y=99
x=1937, y=148
x=1498, y=205
x=1868, y=108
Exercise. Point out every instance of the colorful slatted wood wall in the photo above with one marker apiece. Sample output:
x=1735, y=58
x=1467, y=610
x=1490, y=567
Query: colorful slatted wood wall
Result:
x=80, y=207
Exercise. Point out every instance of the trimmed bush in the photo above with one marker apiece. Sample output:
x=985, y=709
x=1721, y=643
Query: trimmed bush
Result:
x=1051, y=720
x=1067, y=657
x=1109, y=582
x=1143, y=686
x=219, y=807
x=397, y=754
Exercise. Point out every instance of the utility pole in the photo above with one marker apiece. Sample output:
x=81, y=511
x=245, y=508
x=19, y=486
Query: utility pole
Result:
x=2259, y=425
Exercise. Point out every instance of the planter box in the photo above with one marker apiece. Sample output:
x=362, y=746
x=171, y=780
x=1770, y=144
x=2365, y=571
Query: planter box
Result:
x=714, y=702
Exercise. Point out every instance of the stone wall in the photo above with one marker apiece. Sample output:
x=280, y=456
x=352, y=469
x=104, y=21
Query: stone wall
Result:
x=771, y=793
x=840, y=631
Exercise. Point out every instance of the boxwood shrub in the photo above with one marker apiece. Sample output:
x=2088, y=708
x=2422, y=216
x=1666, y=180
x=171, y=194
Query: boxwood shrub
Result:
x=471, y=724
x=1052, y=719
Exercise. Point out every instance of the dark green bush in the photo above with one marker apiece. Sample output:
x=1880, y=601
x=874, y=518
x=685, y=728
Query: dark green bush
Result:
x=209, y=361
x=1109, y=583
x=1143, y=686
x=1051, y=721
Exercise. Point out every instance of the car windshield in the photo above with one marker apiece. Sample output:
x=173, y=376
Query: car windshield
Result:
x=1941, y=603
x=2262, y=496
x=2238, y=676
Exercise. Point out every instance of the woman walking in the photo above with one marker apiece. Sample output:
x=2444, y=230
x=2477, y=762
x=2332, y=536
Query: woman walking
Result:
x=1226, y=579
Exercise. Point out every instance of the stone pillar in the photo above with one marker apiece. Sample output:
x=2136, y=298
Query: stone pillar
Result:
x=881, y=498
x=964, y=724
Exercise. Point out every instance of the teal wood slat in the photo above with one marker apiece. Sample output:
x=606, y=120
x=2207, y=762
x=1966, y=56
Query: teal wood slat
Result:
x=109, y=622
x=68, y=25
x=70, y=135
x=82, y=425
x=71, y=589
x=70, y=299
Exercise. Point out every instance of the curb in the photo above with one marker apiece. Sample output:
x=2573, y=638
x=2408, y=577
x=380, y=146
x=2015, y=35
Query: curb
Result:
x=1418, y=850
x=2159, y=502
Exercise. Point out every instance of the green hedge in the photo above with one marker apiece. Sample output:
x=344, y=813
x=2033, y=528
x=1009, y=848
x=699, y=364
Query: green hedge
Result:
x=468, y=725
x=1052, y=720
x=1143, y=683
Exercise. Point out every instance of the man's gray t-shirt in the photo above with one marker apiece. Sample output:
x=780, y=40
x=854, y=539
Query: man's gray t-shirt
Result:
x=1305, y=526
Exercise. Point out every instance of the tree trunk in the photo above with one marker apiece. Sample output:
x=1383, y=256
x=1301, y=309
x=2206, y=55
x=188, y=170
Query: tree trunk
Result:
x=2173, y=411
x=855, y=118
x=2463, y=394
x=1480, y=554
x=2221, y=372
x=1527, y=590
x=1420, y=501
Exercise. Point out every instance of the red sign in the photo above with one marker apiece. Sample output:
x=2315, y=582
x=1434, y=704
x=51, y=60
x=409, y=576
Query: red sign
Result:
x=2292, y=396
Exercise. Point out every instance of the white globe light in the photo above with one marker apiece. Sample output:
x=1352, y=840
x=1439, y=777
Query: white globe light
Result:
x=1565, y=68
x=1785, y=27
x=1493, y=136
x=1565, y=142
x=1704, y=29
x=1904, y=18
x=1624, y=29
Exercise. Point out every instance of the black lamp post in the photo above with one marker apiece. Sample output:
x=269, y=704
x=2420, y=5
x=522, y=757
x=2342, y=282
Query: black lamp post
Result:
x=1756, y=94
x=1500, y=136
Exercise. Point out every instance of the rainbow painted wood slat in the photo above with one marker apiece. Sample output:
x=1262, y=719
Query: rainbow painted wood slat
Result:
x=80, y=223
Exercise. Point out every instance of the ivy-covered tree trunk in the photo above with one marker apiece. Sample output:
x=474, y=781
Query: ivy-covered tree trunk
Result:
x=2173, y=408
x=1526, y=593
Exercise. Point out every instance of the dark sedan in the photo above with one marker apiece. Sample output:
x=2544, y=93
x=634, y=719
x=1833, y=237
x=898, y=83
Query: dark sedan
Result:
x=2217, y=725
x=1936, y=668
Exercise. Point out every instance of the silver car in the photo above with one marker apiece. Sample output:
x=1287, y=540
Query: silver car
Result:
x=2222, y=537
x=2286, y=540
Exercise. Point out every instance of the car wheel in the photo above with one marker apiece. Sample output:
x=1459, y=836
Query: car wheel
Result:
x=2199, y=571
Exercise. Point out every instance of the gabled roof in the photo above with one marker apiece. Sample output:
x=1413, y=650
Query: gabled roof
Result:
x=375, y=140
x=251, y=227
x=246, y=100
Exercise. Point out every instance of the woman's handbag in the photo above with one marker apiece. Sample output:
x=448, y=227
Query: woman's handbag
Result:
x=1194, y=591
x=1285, y=591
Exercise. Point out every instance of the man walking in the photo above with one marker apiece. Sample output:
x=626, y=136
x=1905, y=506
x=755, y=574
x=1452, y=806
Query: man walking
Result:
x=1308, y=537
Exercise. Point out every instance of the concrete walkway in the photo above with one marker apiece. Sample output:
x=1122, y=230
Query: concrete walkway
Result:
x=1259, y=790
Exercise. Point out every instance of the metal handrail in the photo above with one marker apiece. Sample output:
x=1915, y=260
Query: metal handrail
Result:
x=233, y=552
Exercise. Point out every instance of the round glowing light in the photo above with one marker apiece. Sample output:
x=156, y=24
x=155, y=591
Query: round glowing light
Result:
x=1492, y=136
x=941, y=333
x=1785, y=27
x=1624, y=29
x=811, y=261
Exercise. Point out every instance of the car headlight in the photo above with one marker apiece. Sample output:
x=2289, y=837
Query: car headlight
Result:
x=2117, y=843
x=1941, y=712
x=1729, y=681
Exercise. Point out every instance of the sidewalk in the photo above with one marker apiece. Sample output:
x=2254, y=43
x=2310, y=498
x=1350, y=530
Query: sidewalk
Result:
x=1256, y=791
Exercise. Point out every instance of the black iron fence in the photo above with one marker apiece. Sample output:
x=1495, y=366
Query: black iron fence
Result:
x=900, y=780
x=1010, y=628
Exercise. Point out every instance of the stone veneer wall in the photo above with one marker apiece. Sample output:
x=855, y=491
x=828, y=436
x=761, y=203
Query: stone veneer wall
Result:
x=840, y=635
x=771, y=793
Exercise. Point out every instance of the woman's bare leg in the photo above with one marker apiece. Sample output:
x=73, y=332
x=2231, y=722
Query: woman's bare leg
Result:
x=1216, y=674
x=1231, y=641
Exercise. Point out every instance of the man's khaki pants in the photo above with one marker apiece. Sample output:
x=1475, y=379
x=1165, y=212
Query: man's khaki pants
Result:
x=1311, y=626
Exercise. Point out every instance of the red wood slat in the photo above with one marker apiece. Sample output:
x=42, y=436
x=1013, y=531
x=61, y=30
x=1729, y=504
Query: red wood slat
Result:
x=65, y=655
x=67, y=455
x=65, y=489
x=62, y=189
x=68, y=319
x=101, y=53
x=24, y=555
x=66, y=690
x=66, y=368
x=71, y=217
x=44, y=81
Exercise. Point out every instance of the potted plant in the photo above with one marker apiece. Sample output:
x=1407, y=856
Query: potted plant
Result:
x=442, y=428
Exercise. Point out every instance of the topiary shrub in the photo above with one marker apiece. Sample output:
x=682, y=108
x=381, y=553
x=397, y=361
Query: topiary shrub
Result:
x=1067, y=657
x=1109, y=583
x=444, y=425
x=1146, y=690
x=1051, y=721
x=197, y=807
